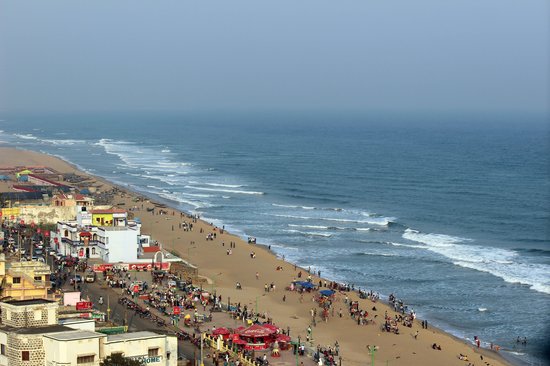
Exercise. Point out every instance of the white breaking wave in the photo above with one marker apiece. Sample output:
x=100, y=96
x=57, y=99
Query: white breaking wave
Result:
x=26, y=137
x=219, y=184
x=224, y=190
x=482, y=309
x=310, y=226
x=503, y=263
x=64, y=141
x=381, y=254
x=307, y=233
x=382, y=221
x=308, y=207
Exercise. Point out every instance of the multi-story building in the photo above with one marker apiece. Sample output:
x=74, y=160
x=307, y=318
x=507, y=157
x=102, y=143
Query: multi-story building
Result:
x=102, y=234
x=24, y=280
x=31, y=336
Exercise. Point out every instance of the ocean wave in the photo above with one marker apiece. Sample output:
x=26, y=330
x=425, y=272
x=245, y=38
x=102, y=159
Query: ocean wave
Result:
x=310, y=226
x=218, y=184
x=308, y=207
x=374, y=254
x=224, y=190
x=165, y=150
x=25, y=137
x=177, y=198
x=503, y=263
x=64, y=141
x=383, y=221
x=308, y=233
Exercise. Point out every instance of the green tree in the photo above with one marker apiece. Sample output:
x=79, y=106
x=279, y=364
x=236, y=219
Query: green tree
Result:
x=119, y=360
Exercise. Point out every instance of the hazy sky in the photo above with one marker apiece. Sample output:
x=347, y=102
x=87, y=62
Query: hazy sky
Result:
x=299, y=54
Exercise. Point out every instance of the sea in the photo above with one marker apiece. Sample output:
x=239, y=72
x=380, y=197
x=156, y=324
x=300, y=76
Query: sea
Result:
x=448, y=211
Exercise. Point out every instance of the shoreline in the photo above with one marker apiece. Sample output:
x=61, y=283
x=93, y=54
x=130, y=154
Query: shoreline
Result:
x=269, y=256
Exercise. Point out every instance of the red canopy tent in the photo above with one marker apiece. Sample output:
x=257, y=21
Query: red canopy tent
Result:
x=271, y=327
x=224, y=332
x=257, y=337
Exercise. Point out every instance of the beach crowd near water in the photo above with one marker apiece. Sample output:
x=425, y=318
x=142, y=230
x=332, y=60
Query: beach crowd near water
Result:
x=345, y=324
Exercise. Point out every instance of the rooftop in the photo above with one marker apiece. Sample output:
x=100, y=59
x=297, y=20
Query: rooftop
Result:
x=132, y=336
x=74, y=335
x=29, y=302
x=38, y=330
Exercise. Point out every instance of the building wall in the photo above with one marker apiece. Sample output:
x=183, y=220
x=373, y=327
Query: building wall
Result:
x=28, y=288
x=4, y=342
x=121, y=245
x=24, y=342
x=102, y=219
x=66, y=352
x=139, y=348
x=40, y=214
x=29, y=316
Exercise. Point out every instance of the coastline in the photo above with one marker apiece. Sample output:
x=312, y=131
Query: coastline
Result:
x=225, y=270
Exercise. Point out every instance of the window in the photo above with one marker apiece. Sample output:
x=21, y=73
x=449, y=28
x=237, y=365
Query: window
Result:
x=153, y=352
x=2, y=349
x=93, y=251
x=17, y=280
x=85, y=359
x=25, y=356
x=38, y=278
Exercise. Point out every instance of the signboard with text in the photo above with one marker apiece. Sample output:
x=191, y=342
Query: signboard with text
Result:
x=83, y=305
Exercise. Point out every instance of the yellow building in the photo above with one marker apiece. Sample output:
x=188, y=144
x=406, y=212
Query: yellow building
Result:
x=110, y=217
x=24, y=280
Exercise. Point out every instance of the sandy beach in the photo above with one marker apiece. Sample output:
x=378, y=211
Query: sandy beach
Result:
x=222, y=270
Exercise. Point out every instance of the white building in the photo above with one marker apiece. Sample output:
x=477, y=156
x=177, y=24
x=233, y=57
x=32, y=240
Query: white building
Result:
x=117, y=241
x=31, y=336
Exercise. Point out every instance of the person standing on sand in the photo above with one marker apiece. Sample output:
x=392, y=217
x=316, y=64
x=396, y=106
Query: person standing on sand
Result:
x=257, y=275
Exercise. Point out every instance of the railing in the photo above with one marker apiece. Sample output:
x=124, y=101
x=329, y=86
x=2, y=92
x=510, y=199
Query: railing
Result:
x=78, y=243
x=222, y=346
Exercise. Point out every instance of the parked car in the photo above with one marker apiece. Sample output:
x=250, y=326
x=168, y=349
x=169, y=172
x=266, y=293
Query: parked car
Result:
x=77, y=278
x=90, y=277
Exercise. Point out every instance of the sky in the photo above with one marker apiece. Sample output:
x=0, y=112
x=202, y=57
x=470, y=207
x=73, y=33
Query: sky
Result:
x=464, y=55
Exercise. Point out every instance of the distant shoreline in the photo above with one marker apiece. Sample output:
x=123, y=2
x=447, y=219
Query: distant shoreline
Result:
x=215, y=266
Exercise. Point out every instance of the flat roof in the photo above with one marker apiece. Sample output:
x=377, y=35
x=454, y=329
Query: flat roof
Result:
x=74, y=335
x=144, y=334
x=41, y=330
x=29, y=302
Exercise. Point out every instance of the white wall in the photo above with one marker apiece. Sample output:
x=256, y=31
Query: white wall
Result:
x=66, y=352
x=4, y=341
x=140, y=347
x=122, y=245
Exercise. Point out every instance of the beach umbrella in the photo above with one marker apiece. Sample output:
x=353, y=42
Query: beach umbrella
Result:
x=283, y=338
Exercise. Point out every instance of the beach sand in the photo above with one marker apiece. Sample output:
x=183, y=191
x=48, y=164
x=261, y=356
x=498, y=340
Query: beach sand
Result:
x=221, y=272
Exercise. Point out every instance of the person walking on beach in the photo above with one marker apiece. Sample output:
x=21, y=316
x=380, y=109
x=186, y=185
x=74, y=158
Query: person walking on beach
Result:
x=257, y=275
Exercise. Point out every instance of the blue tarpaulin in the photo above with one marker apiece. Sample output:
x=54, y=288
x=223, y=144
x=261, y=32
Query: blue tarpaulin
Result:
x=304, y=284
x=326, y=292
